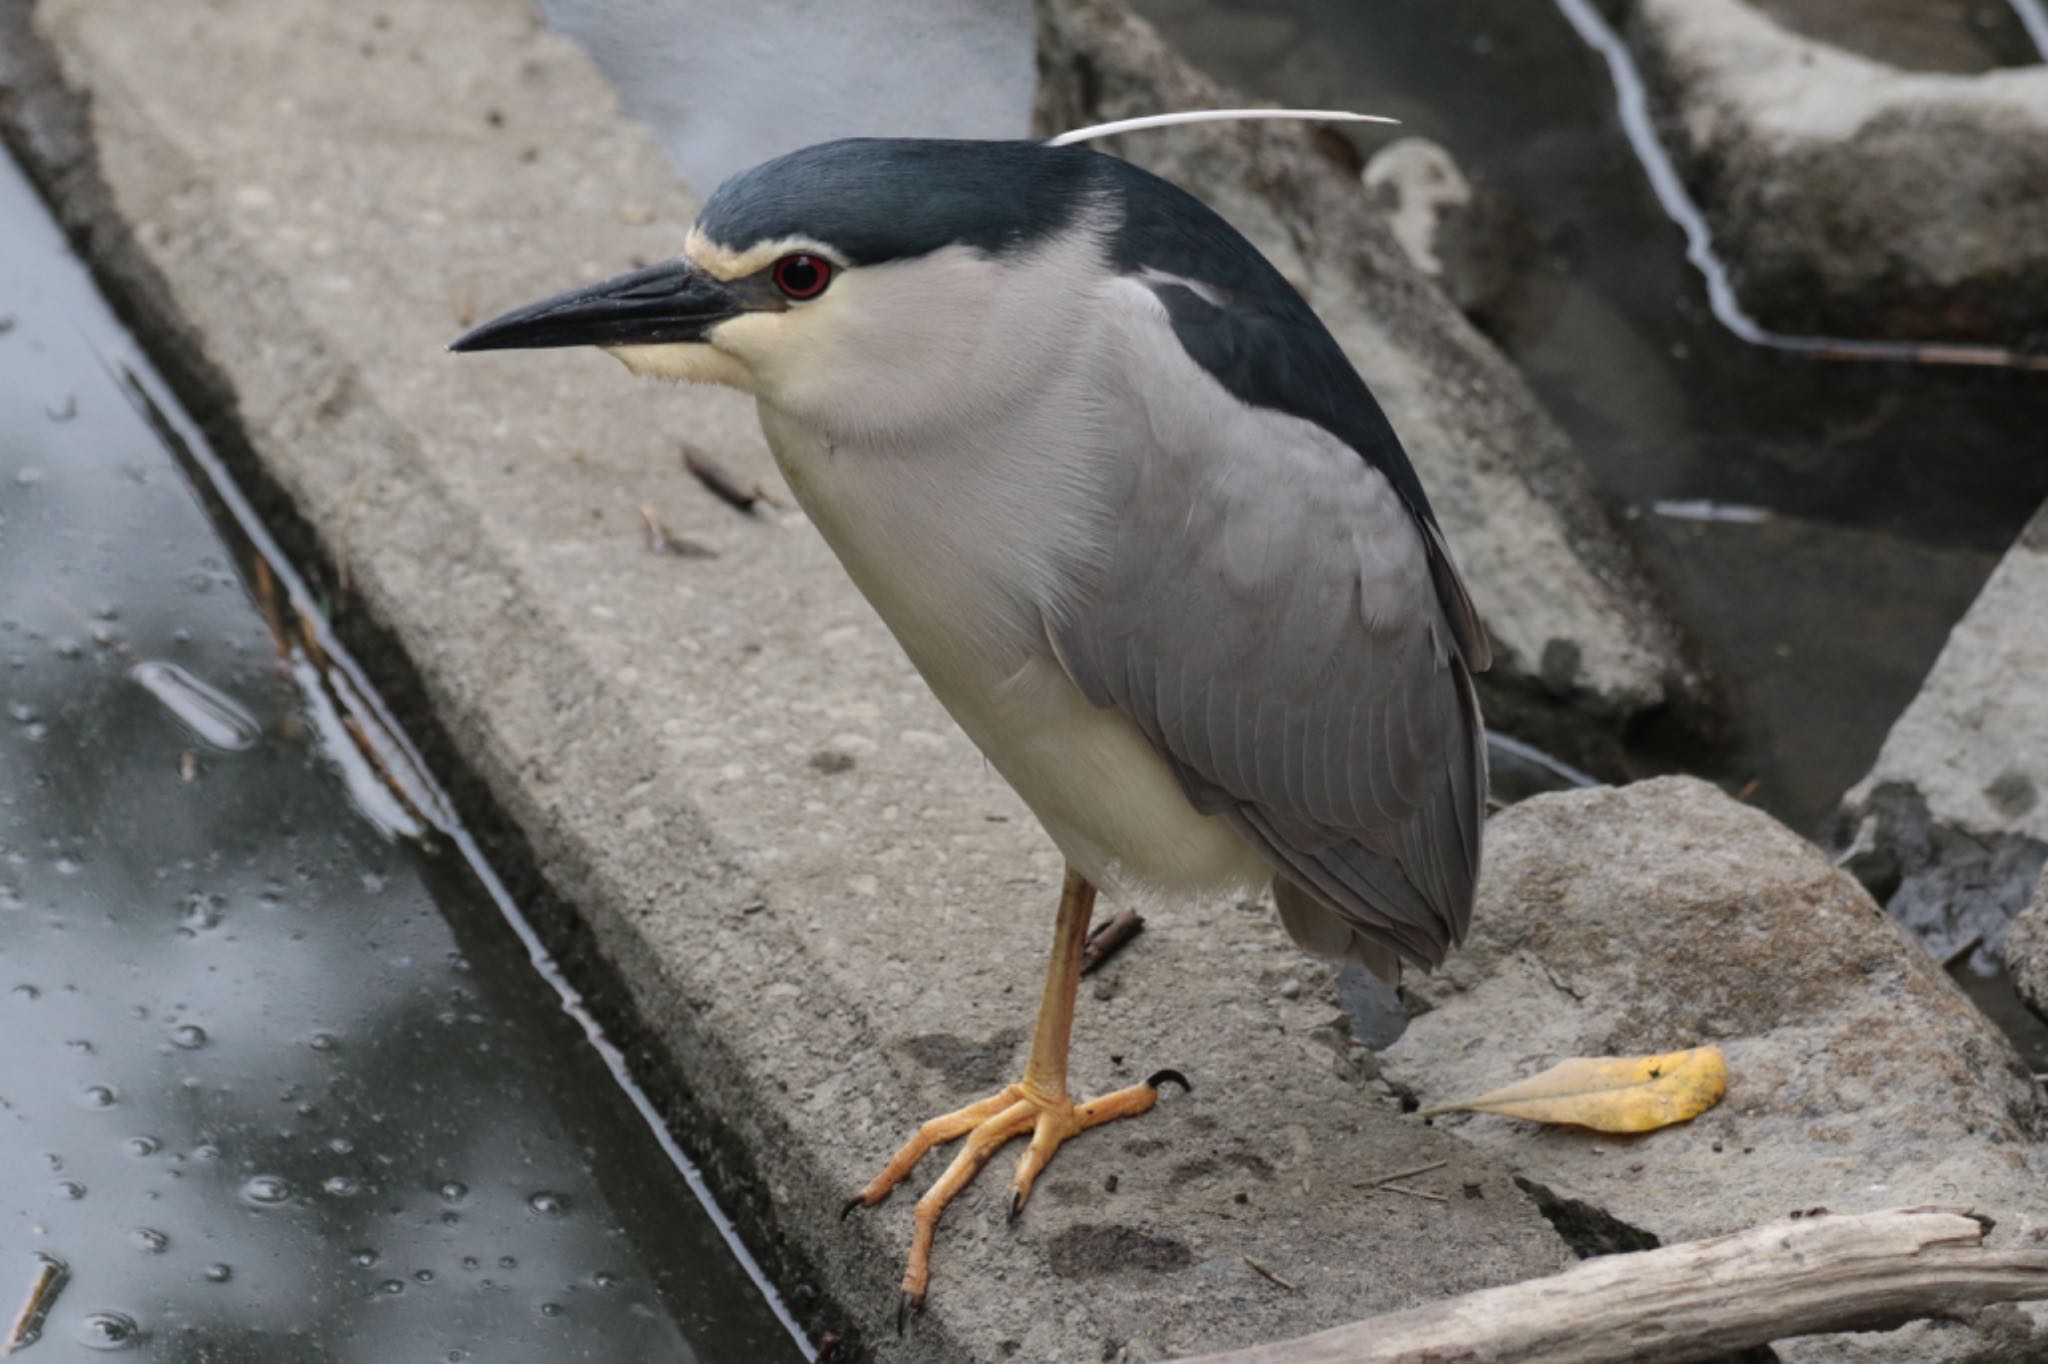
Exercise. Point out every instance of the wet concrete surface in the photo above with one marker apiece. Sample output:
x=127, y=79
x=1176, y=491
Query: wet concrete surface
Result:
x=279, y=1079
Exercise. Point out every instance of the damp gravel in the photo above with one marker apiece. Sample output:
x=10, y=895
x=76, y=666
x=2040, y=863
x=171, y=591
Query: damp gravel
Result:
x=279, y=1078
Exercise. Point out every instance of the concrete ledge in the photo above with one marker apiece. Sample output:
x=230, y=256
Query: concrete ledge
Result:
x=818, y=904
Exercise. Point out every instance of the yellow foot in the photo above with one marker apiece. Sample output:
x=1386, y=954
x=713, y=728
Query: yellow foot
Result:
x=987, y=1125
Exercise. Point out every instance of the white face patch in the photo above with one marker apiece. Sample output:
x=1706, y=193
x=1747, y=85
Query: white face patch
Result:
x=689, y=362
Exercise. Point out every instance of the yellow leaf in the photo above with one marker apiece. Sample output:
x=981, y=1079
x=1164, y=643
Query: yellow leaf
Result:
x=1612, y=1093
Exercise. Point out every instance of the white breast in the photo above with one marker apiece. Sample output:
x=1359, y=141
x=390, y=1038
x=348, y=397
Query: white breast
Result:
x=963, y=552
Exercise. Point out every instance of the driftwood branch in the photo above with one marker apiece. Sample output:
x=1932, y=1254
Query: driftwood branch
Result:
x=1699, y=1299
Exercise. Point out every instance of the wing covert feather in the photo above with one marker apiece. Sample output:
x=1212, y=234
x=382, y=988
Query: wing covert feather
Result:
x=1294, y=639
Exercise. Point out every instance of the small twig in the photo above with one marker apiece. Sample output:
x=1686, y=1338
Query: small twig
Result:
x=1267, y=1274
x=1976, y=941
x=1107, y=938
x=661, y=540
x=1412, y=1193
x=1404, y=1174
x=267, y=601
x=42, y=1295
x=722, y=485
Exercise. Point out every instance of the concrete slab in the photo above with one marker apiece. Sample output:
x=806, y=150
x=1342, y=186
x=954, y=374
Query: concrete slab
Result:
x=1849, y=197
x=1950, y=827
x=816, y=901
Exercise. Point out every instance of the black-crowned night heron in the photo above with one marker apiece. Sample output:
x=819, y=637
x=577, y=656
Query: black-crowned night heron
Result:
x=1133, y=516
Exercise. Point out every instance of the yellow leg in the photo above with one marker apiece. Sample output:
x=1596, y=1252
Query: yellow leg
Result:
x=1038, y=1103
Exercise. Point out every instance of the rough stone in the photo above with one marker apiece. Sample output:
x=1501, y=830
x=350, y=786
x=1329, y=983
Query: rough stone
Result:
x=1950, y=827
x=1477, y=247
x=825, y=957
x=1582, y=648
x=2026, y=950
x=1849, y=197
x=1667, y=915
x=674, y=62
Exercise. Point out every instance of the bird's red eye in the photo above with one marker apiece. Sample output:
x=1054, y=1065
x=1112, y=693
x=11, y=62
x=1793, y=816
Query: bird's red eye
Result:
x=802, y=276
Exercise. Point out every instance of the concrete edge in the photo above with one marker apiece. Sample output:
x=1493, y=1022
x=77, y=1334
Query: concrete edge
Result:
x=45, y=124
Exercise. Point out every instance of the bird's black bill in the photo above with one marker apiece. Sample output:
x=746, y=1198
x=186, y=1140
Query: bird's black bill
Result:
x=670, y=302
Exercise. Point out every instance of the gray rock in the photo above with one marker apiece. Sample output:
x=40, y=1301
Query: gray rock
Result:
x=1849, y=197
x=1950, y=827
x=825, y=954
x=1667, y=915
x=2026, y=950
x=1581, y=645
x=1476, y=245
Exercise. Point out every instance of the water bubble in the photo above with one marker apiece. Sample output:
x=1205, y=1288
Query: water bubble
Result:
x=218, y=1272
x=548, y=1204
x=341, y=1146
x=142, y=1147
x=454, y=1191
x=363, y=1258
x=393, y=1285
x=149, y=1239
x=80, y=1045
x=451, y=1218
x=108, y=1331
x=424, y=1275
x=266, y=1190
x=551, y=1309
x=507, y=1262
x=190, y=1036
x=206, y=1151
x=71, y=1189
x=341, y=1186
x=321, y=1041
x=27, y=994
x=604, y=1278
x=68, y=866
x=471, y=1262
x=98, y=1096
x=457, y=1355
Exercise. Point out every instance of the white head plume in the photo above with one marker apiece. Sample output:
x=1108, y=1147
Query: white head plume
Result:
x=1132, y=125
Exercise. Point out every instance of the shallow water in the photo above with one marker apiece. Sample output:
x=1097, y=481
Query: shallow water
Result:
x=279, y=1080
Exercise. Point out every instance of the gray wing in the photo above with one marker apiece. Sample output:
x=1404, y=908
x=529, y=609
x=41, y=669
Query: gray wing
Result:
x=1295, y=640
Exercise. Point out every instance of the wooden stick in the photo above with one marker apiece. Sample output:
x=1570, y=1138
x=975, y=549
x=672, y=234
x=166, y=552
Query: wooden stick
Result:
x=42, y=1293
x=1699, y=1299
x=1107, y=938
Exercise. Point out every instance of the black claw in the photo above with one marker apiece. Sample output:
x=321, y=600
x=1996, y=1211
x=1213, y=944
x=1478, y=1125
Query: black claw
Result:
x=1016, y=1205
x=1160, y=1077
x=906, y=1303
x=851, y=1204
